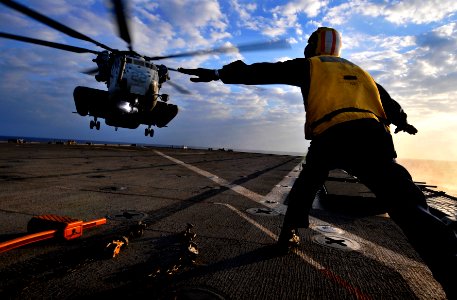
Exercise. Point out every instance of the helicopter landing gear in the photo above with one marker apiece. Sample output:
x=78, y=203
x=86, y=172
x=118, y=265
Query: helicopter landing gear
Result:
x=149, y=131
x=95, y=124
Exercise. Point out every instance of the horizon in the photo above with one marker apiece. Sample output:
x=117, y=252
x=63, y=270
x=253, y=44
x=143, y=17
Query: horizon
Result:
x=195, y=147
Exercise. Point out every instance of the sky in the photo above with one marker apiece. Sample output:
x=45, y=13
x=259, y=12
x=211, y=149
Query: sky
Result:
x=408, y=46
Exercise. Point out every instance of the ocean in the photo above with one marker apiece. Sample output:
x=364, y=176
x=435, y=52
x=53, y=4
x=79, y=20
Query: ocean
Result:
x=53, y=140
x=439, y=173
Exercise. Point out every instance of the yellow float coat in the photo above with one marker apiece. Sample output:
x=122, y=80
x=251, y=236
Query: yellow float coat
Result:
x=339, y=92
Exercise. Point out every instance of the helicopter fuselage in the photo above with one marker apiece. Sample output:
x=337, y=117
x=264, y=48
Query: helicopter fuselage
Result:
x=132, y=96
x=130, y=79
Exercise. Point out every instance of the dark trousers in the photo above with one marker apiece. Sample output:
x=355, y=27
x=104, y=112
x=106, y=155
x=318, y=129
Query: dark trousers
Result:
x=365, y=149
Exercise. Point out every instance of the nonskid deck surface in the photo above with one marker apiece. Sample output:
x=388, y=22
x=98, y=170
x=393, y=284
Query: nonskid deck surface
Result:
x=234, y=202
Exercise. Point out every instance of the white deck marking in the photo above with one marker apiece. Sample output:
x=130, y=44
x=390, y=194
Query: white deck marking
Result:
x=274, y=199
x=300, y=253
x=278, y=195
x=222, y=182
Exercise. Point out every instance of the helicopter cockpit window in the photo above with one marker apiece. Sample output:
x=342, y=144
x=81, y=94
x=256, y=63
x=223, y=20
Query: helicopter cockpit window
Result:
x=138, y=62
x=129, y=60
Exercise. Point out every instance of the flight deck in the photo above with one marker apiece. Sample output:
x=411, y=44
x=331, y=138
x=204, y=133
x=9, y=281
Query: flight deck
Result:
x=194, y=224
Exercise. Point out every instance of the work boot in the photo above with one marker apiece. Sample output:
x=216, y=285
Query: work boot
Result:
x=288, y=239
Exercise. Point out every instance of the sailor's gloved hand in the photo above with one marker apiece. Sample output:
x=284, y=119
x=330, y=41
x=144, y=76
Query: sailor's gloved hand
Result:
x=203, y=75
x=407, y=128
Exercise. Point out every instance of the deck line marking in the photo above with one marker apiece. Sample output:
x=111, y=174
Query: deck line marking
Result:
x=271, y=235
x=397, y=258
x=234, y=187
x=326, y=272
x=244, y=216
x=259, y=198
x=278, y=194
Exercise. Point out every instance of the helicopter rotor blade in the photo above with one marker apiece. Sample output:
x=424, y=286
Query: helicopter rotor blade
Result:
x=47, y=44
x=179, y=88
x=269, y=45
x=120, y=13
x=52, y=23
x=92, y=71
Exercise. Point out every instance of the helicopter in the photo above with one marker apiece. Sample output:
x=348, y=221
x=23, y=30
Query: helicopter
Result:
x=133, y=80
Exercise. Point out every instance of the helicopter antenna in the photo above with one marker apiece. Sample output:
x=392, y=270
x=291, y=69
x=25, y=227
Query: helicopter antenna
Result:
x=52, y=23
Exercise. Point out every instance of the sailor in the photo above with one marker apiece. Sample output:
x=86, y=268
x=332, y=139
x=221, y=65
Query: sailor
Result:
x=348, y=118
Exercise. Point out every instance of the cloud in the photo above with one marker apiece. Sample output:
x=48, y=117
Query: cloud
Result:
x=278, y=20
x=396, y=12
x=247, y=15
x=418, y=11
x=420, y=72
x=387, y=58
x=285, y=17
x=432, y=65
x=290, y=10
x=237, y=116
x=244, y=10
x=417, y=65
x=342, y=13
x=201, y=21
x=422, y=59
